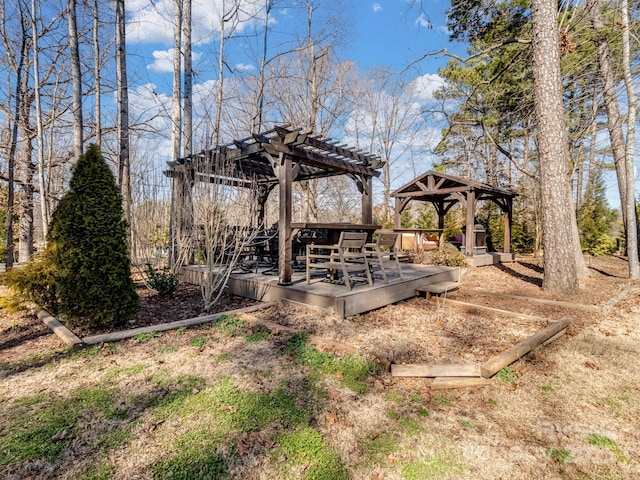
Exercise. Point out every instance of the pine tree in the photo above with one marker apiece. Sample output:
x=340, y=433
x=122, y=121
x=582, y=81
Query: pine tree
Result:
x=88, y=235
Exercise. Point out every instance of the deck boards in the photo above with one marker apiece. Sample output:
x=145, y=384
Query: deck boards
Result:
x=332, y=295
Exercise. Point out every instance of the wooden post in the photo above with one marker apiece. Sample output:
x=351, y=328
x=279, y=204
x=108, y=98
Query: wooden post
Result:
x=439, y=206
x=367, y=199
x=508, y=219
x=284, y=172
x=470, y=238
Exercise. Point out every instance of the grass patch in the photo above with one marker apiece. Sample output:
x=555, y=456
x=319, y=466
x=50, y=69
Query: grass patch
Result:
x=410, y=426
x=257, y=333
x=145, y=336
x=394, y=397
x=604, y=442
x=43, y=432
x=305, y=447
x=352, y=371
x=547, y=388
x=507, y=375
x=441, y=399
x=122, y=371
x=230, y=325
x=224, y=357
x=377, y=449
x=198, y=341
x=560, y=455
x=436, y=466
x=100, y=472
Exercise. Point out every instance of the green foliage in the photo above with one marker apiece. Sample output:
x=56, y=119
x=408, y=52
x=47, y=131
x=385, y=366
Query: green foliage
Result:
x=451, y=225
x=427, y=217
x=36, y=281
x=165, y=282
x=305, y=446
x=449, y=256
x=602, y=441
x=89, y=235
x=198, y=341
x=596, y=219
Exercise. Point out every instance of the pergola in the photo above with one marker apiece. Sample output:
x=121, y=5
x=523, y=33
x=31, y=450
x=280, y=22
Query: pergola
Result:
x=444, y=191
x=277, y=157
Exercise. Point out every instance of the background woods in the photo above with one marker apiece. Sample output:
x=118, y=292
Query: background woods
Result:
x=152, y=83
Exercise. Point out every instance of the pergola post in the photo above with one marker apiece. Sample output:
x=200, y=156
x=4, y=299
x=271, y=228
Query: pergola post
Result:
x=469, y=237
x=367, y=199
x=284, y=172
x=439, y=206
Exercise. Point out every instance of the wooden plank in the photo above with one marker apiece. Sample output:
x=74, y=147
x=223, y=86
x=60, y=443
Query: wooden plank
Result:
x=124, y=334
x=554, y=338
x=442, y=383
x=435, y=370
x=494, y=365
x=66, y=335
x=578, y=306
x=481, y=308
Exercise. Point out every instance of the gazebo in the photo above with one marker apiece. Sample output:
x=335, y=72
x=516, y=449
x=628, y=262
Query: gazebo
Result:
x=444, y=191
x=277, y=157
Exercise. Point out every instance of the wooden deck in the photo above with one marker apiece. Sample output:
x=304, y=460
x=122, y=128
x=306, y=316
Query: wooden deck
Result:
x=334, y=295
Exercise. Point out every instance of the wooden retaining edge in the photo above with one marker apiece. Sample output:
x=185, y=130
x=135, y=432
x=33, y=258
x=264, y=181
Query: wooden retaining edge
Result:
x=482, y=308
x=441, y=383
x=619, y=297
x=489, y=368
x=66, y=335
x=124, y=334
x=559, y=303
x=436, y=370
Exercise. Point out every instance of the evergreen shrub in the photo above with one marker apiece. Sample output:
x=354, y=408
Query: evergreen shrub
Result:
x=88, y=233
x=449, y=256
x=35, y=282
x=164, y=281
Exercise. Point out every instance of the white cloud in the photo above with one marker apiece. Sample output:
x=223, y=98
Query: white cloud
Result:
x=152, y=22
x=426, y=85
x=243, y=67
x=163, y=60
x=424, y=21
x=377, y=8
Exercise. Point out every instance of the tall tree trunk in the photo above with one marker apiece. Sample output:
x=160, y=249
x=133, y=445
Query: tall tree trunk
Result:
x=632, y=102
x=44, y=205
x=76, y=79
x=24, y=52
x=560, y=263
x=188, y=80
x=97, y=87
x=124, y=164
x=258, y=120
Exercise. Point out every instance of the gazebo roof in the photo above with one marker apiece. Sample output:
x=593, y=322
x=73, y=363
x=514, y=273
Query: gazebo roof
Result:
x=434, y=186
x=252, y=159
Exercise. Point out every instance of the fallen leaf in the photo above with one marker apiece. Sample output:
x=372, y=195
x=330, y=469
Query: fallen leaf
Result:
x=334, y=394
x=591, y=365
x=331, y=417
x=281, y=458
x=229, y=408
x=242, y=448
x=339, y=374
x=377, y=476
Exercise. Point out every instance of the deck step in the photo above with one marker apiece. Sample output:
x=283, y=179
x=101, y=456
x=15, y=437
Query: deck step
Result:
x=437, y=288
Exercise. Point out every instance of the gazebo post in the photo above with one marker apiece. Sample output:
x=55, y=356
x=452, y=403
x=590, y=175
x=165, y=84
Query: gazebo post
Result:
x=284, y=172
x=508, y=220
x=469, y=237
x=439, y=206
x=367, y=199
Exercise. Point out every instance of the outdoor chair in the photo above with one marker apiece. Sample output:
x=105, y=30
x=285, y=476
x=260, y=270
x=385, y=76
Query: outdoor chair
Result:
x=346, y=256
x=382, y=251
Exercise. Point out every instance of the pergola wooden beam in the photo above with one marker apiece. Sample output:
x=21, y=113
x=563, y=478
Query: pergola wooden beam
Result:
x=281, y=156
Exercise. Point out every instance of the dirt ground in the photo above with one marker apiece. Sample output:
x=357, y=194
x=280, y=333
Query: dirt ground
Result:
x=540, y=423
